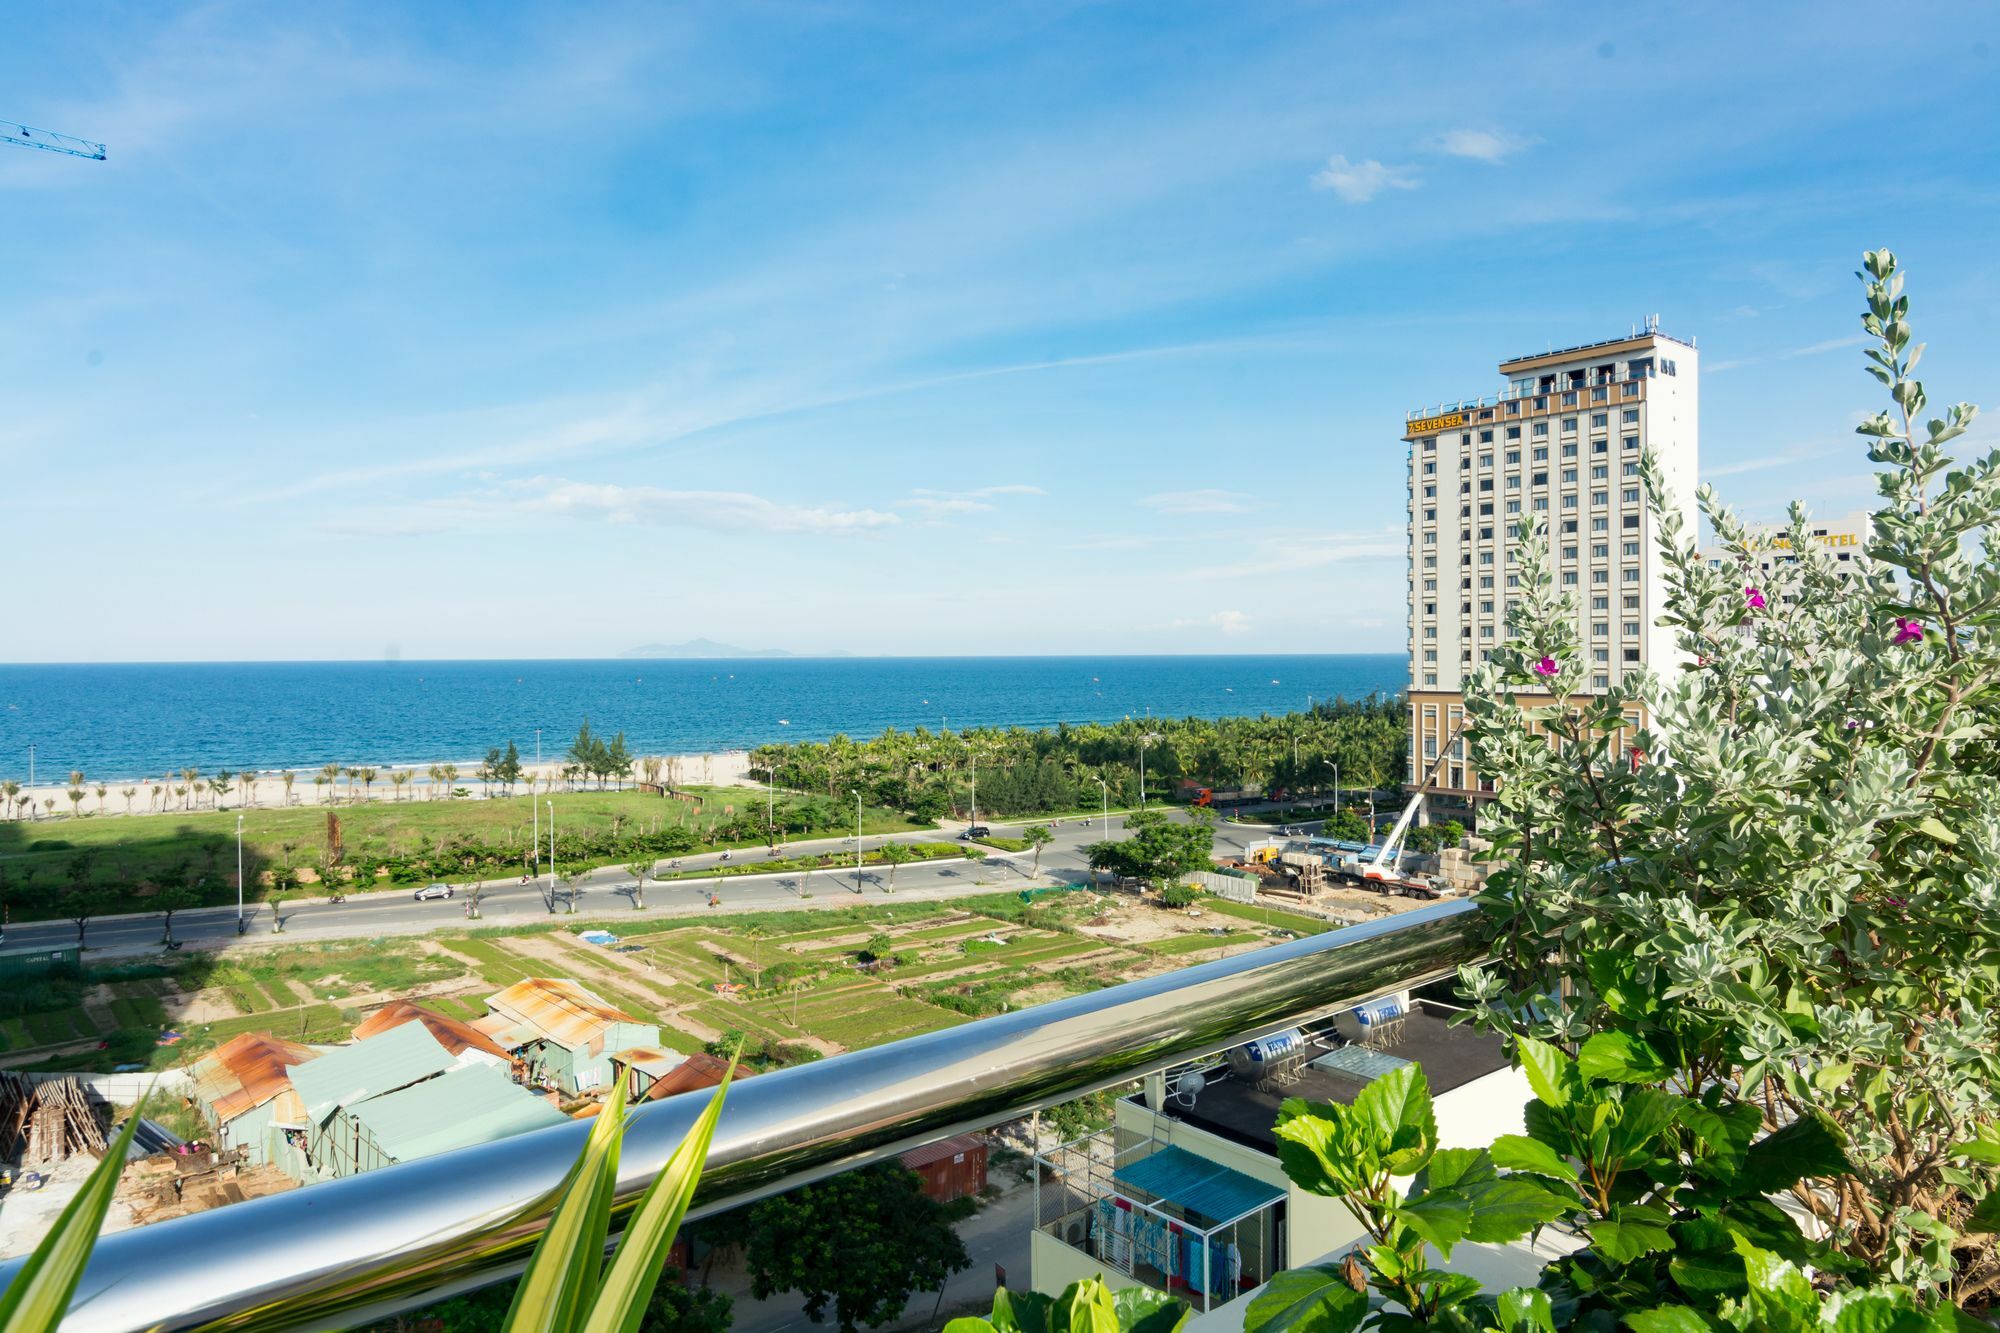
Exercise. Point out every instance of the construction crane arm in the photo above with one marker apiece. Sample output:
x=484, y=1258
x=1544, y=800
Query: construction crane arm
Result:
x=1388, y=858
x=27, y=136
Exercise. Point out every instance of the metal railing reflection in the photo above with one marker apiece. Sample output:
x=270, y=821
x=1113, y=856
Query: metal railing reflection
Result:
x=337, y=1254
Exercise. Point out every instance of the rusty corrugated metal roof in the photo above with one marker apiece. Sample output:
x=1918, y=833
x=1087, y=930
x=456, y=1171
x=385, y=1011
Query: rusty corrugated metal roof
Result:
x=245, y=1072
x=942, y=1150
x=453, y=1035
x=691, y=1075
x=561, y=1011
x=648, y=1060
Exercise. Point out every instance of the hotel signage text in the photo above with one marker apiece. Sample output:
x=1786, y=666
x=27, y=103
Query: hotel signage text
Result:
x=1425, y=425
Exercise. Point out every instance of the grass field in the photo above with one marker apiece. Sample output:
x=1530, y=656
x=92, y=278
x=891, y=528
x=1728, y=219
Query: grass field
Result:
x=824, y=998
x=129, y=850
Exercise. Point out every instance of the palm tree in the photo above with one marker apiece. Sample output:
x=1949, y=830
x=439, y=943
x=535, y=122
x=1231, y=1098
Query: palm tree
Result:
x=101, y=793
x=330, y=775
x=219, y=785
x=367, y=776
x=397, y=777
x=894, y=854
x=449, y=774
x=128, y=794
x=437, y=779
x=1038, y=836
x=75, y=794
x=189, y=778
x=247, y=781
x=12, y=791
x=639, y=870
x=288, y=778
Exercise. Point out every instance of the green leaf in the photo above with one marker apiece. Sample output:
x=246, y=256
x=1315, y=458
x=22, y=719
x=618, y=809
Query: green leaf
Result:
x=1934, y=828
x=971, y=1324
x=1667, y=1319
x=1509, y=1209
x=1525, y=1310
x=1022, y=1311
x=1143, y=1310
x=1706, y=1274
x=1450, y=1167
x=1983, y=1146
x=1620, y=1057
x=1985, y=1218
x=38, y=1298
x=1630, y=1231
x=621, y=1300
x=1086, y=1307
x=1442, y=1219
x=1518, y=1152
x=1307, y=1300
x=1396, y=1110
x=1809, y=1147
x=562, y=1273
x=1548, y=1070
x=1880, y=1310
x=1317, y=1148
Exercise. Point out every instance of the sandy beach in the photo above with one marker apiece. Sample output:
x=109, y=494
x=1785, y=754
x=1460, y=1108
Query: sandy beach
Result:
x=266, y=790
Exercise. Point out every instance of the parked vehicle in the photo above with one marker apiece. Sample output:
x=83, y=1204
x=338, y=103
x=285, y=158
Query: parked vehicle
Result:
x=429, y=891
x=976, y=831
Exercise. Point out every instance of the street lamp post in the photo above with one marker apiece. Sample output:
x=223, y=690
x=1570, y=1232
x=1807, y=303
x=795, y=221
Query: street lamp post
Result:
x=552, y=856
x=31, y=765
x=1336, y=789
x=857, y=842
x=239, y=874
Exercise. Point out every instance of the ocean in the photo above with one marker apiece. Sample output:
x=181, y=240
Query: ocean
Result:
x=129, y=721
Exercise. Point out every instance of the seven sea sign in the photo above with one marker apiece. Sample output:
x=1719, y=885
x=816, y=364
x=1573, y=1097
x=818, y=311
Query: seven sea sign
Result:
x=1425, y=425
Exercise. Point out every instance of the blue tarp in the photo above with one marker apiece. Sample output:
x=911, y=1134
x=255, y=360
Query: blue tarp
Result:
x=1196, y=1185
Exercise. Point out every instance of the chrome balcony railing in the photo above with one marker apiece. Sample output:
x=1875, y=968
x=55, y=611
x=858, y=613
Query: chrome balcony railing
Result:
x=337, y=1254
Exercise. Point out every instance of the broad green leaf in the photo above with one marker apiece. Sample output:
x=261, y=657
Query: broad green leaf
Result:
x=1725, y=1132
x=1668, y=1319
x=1509, y=1209
x=1085, y=1307
x=1441, y=1219
x=1525, y=1310
x=1643, y=1116
x=1780, y=1292
x=562, y=1273
x=1518, y=1152
x=1307, y=1300
x=1620, y=1057
x=622, y=1298
x=38, y=1298
x=1981, y=1147
x=1881, y=1310
x=1451, y=1167
x=1143, y=1310
x=1985, y=1218
x=1630, y=1231
x=1808, y=1147
x=1316, y=1147
x=1022, y=1311
x=1548, y=1070
x=1396, y=1110
x=971, y=1324
x=1706, y=1274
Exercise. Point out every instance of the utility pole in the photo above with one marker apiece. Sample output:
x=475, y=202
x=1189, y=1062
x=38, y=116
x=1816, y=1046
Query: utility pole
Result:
x=239, y=874
x=552, y=856
x=857, y=841
x=31, y=765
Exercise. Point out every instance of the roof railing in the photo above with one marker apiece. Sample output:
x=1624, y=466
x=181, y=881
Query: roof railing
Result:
x=347, y=1251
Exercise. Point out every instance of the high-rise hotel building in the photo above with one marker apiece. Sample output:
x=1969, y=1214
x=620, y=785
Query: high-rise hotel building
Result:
x=1562, y=440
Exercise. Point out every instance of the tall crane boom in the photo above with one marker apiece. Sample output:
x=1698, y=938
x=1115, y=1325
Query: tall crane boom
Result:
x=27, y=136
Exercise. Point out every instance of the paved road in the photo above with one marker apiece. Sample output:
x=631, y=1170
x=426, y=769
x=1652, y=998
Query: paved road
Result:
x=607, y=894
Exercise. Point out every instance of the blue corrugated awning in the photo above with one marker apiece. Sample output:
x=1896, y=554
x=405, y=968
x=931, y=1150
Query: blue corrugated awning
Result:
x=1197, y=1185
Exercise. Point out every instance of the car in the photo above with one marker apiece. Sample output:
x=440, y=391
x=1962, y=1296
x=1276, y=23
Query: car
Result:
x=430, y=891
x=977, y=831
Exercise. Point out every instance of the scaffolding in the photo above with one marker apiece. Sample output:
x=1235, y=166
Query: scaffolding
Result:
x=1161, y=1215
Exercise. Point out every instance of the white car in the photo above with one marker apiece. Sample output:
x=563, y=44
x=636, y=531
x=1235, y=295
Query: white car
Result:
x=430, y=891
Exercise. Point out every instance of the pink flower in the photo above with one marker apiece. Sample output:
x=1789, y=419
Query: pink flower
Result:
x=1908, y=631
x=1755, y=597
x=1546, y=667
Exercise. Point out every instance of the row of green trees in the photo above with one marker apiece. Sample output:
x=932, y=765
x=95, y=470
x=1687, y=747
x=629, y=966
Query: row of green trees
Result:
x=1019, y=771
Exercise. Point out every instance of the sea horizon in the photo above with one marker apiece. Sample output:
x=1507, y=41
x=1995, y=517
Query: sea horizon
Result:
x=127, y=721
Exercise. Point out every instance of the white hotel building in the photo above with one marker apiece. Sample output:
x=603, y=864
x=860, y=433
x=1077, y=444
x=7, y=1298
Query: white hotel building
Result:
x=1561, y=441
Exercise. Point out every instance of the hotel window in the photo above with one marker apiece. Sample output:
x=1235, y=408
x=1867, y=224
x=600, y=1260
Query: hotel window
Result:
x=1541, y=479
x=1485, y=461
x=1486, y=483
x=1600, y=630
x=1465, y=511
x=1430, y=515
x=1486, y=581
x=1486, y=608
x=1631, y=654
x=1599, y=420
x=1513, y=432
x=1599, y=497
x=1513, y=506
x=1599, y=472
x=1600, y=446
x=1513, y=580
x=1631, y=496
x=1600, y=655
x=1466, y=535
x=1599, y=576
x=1430, y=608
x=1569, y=398
x=1485, y=631
x=1631, y=522
x=1486, y=437
x=1486, y=557
x=1569, y=476
x=1632, y=603
x=1542, y=455
x=1631, y=469
x=1430, y=747
x=1465, y=608
x=1486, y=510
x=1541, y=430
x=1631, y=629
x=1631, y=416
x=1599, y=550
x=1430, y=492
x=1430, y=679
x=1600, y=682
x=1513, y=457
x=1569, y=450
x=1599, y=524
x=1631, y=576
x=1600, y=603
x=1631, y=550
x=1631, y=442
x=1569, y=553
x=1569, y=578
x=1430, y=562
x=1430, y=585
x=1569, y=502
x=1430, y=468
x=1486, y=534
x=1541, y=503
x=1430, y=539
x=1513, y=484
x=1430, y=443
x=1569, y=425
x=1430, y=654
x=1430, y=631
x=1599, y=393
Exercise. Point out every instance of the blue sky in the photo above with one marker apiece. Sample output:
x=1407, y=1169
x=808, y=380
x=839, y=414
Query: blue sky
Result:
x=483, y=330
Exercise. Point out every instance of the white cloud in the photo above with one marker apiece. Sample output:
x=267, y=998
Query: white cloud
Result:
x=1494, y=146
x=1198, y=502
x=730, y=511
x=1226, y=622
x=1358, y=182
x=938, y=508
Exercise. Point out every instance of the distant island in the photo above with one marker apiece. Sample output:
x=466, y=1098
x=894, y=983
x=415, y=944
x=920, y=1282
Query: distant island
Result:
x=700, y=648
